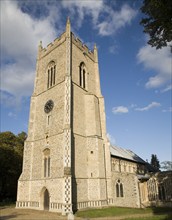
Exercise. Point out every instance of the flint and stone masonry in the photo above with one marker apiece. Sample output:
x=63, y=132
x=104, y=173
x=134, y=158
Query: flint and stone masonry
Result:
x=66, y=162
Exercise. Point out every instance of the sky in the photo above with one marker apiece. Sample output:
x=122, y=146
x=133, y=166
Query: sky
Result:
x=136, y=79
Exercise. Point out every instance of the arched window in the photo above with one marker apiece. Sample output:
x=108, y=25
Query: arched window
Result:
x=46, y=161
x=82, y=75
x=51, y=71
x=152, y=189
x=119, y=189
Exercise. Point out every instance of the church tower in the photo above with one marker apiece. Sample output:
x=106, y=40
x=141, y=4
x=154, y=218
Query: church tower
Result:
x=66, y=163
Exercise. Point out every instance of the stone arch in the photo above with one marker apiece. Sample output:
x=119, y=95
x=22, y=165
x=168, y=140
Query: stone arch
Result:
x=51, y=74
x=83, y=75
x=119, y=189
x=51, y=63
x=46, y=162
x=45, y=199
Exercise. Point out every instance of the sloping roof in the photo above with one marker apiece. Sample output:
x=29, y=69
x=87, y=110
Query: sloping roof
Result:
x=125, y=154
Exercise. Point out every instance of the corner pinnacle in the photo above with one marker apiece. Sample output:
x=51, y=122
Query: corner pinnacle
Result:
x=95, y=53
x=68, y=27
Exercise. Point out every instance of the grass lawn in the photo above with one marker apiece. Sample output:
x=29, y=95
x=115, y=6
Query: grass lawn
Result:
x=148, y=213
x=157, y=217
x=115, y=213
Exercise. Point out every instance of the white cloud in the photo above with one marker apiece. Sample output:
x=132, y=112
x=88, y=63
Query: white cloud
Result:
x=120, y=110
x=148, y=107
x=17, y=78
x=113, y=20
x=20, y=34
x=168, y=88
x=158, y=61
x=83, y=8
x=111, y=139
x=116, y=20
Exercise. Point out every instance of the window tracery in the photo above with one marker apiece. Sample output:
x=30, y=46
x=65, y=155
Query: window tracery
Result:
x=51, y=71
x=119, y=189
x=46, y=161
x=82, y=75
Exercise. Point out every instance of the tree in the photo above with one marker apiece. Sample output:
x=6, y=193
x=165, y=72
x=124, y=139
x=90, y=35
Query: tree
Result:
x=11, y=157
x=10, y=164
x=166, y=165
x=155, y=162
x=7, y=139
x=158, y=23
x=21, y=137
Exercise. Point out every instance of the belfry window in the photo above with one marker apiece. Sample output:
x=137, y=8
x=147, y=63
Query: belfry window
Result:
x=46, y=162
x=82, y=75
x=51, y=71
x=119, y=189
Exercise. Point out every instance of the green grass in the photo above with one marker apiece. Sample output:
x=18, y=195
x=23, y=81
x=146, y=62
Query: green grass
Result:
x=112, y=211
x=156, y=217
x=117, y=211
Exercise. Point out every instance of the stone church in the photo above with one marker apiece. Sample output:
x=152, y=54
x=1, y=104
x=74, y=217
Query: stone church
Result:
x=69, y=163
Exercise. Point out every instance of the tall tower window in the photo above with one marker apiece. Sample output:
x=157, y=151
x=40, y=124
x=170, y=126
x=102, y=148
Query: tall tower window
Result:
x=51, y=72
x=82, y=75
x=119, y=189
x=84, y=78
x=46, y=162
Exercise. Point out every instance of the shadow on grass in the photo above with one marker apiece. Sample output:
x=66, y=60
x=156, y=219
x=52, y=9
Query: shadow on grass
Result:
x=10, y=213
x=163, y=211
x=159, y=210
x=6, y=217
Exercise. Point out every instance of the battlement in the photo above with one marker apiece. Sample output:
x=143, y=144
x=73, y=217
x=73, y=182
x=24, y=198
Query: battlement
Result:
x=82, y=46
x=59, y=40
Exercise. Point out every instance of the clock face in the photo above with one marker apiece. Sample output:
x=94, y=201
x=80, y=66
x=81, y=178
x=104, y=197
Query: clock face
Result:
x=48, y=106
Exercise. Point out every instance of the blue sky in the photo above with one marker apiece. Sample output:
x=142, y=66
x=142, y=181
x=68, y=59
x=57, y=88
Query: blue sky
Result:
x=135, y=78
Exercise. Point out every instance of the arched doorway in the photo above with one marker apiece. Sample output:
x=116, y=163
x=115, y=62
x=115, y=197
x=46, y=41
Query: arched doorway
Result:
x=46, y=200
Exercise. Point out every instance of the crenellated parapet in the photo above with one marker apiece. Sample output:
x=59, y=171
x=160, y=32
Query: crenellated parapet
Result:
x=51, y=46
x=61, y=39
x=82, y=47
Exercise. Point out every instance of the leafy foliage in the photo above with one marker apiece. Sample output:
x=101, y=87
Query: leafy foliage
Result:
x=158, y=23
x=11, y=157
x=155, y=162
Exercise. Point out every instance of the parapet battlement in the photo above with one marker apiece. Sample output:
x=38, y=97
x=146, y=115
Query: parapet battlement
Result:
x=59, y=40
x=82, y=47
